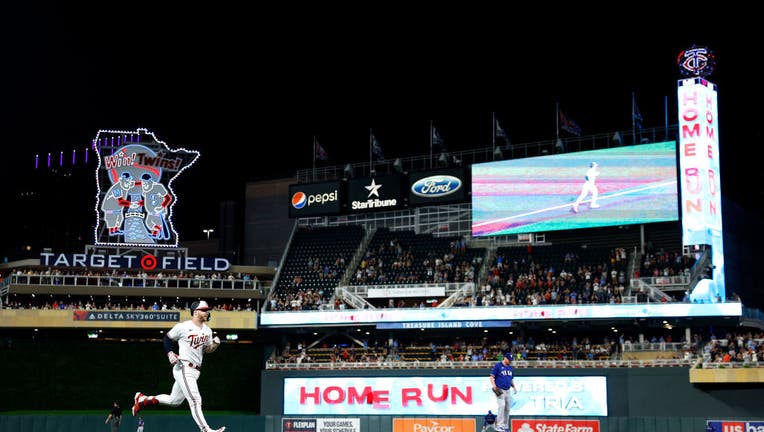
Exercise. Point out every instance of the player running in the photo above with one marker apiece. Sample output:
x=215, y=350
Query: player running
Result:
x=194, y=339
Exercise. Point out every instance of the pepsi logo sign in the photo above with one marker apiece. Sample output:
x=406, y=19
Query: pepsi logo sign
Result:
x=436, y=186
x=301, y=199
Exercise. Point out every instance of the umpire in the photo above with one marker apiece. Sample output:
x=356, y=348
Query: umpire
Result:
x=115, y=416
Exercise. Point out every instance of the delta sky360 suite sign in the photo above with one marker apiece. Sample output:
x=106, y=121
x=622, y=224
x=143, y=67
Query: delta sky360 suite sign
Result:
x=135, y=197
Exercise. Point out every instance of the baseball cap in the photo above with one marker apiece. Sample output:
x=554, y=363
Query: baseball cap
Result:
x=508, y=355
x=201, y=305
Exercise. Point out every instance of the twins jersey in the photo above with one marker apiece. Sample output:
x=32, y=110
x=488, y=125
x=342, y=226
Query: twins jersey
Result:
x=503, y=375
x=191, y=340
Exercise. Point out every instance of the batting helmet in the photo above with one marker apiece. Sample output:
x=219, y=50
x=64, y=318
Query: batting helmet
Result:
x=201, y=305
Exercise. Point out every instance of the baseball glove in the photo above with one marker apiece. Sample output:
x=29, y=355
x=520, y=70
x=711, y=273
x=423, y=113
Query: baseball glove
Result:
x=498, y=392
x=215, y=344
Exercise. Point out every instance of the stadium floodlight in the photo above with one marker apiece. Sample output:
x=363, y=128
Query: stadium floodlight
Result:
x=208, y=231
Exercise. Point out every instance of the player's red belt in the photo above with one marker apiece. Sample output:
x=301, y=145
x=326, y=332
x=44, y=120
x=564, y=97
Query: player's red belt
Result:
x=197, y=367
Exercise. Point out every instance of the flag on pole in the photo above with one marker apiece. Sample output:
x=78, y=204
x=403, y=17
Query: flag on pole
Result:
x=637, y=115
x=376, y=149
x=437, y=140
x=321, y=153
x=568, y=125
x=500, y=133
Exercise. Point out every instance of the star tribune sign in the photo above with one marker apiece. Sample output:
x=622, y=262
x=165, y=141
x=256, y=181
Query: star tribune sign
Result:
x=135, y=197
x=373, y=200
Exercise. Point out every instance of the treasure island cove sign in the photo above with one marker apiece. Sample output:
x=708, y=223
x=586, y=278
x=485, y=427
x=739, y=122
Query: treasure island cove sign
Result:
x=134, y=204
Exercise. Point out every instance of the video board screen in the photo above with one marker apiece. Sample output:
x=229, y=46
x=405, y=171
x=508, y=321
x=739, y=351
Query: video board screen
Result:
x=428, y=395
x=437, y=187
x=314, y=199
x=379, y=193
x=616, y=186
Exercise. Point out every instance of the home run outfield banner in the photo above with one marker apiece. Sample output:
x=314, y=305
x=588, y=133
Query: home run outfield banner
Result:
x=537, y=396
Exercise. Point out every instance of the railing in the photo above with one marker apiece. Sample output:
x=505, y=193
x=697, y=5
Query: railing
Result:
x=652, y=292
x=136, y=282
x=653, y=346
x=730, y=365
x=538, y=364
x=409, y=290
x=352, y=299
x=664, y=283
x=487, y=154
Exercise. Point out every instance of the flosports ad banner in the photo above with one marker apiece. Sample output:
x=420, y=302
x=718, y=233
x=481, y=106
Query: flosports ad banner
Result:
x=321, y=424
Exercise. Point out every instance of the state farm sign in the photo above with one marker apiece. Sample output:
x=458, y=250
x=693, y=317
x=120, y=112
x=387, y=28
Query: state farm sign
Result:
x=557, y=425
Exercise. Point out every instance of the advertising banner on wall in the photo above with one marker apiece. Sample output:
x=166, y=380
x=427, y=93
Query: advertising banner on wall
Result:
x=434, y=424
x=561, y=425
x=314, y=199
x=321, y=424
x=537, y=396
x=378, y=193
x=735, y=426
x=437, y=186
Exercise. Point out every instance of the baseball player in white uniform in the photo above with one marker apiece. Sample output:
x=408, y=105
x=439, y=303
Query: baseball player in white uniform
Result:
x=194, y=339
x=589, y=187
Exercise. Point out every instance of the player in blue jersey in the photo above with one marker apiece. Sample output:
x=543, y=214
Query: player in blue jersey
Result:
x=502, y=378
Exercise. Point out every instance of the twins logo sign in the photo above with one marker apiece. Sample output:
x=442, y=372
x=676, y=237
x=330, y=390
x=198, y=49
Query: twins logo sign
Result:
x=134, y=179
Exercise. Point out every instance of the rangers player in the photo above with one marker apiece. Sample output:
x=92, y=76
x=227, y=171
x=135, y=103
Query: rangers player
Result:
x=502, y=378
x=194, y=339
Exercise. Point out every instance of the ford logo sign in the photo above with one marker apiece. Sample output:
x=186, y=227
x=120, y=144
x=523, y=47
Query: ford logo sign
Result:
x=436, y=186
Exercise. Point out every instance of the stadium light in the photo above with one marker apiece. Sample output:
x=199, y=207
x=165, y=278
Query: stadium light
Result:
x=208, y=231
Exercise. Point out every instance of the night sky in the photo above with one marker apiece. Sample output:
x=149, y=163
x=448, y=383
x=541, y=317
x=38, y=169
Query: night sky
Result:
x=237, y=84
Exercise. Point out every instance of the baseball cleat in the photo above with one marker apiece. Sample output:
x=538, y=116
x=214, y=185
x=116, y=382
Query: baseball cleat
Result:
x=594, y=206
x=137, y=404
x=219, y=430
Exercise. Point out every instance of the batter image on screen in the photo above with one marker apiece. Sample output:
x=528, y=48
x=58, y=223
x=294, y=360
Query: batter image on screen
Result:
x=616, y=186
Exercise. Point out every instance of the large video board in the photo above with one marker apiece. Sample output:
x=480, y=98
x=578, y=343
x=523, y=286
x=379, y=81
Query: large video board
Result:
x=617, y=186
x=314, y=199
x=427, y=395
